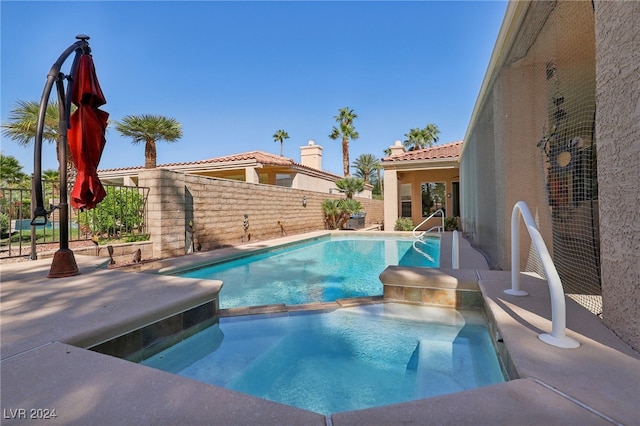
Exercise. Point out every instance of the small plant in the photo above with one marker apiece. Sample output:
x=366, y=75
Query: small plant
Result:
x=136, y=238
x=451, y=224
x=337, y=212
x=4, y=225
x=404, y=224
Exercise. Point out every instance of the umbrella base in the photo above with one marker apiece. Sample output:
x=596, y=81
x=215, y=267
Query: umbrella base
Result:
x=63, y=264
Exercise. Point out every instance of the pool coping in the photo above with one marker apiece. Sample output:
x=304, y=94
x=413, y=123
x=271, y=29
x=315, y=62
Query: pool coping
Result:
x=596, y=383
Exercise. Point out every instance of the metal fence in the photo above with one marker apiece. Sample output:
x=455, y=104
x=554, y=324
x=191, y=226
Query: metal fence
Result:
x=121, y=215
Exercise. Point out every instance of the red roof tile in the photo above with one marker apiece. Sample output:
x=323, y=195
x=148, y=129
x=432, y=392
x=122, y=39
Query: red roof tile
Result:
x=258, y=156
x=449, y=150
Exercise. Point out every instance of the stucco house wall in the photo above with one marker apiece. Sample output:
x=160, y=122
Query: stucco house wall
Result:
x=436, y=164
x=415, y=179
x=618, y=134
x=555, y=60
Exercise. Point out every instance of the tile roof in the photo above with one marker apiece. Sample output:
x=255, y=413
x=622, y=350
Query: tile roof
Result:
x=449, y=150
x=259, y=156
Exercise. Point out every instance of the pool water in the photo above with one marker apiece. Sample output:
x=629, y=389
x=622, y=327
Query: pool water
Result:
x=321, y=270
x=348, y=359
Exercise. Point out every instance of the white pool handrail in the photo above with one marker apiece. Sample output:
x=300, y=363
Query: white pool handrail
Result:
x=441, y=228
x=557, y=337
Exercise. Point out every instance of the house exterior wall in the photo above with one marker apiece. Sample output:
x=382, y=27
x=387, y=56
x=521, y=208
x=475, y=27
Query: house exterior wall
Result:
x=618, y=134
x=557, y=61
x=394, y=178
x=311, y=183
x=216, y=207
x=391, y=197
x=502, y=160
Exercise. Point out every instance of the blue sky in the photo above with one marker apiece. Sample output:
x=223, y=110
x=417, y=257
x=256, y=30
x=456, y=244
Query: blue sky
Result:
x=232, y=73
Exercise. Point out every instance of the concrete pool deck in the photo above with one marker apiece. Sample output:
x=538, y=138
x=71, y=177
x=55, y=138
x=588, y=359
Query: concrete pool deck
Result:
x=46, y=323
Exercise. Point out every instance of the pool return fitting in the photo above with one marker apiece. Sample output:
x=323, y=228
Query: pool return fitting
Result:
x=557, y=337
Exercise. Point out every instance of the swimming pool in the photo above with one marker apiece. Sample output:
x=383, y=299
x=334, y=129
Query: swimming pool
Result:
x=347, y=359
x=321, y=270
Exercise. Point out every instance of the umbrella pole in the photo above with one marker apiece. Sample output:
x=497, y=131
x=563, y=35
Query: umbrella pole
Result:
x=64, y=262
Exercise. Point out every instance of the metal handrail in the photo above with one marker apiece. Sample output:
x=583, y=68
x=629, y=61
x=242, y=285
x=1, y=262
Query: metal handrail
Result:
x=418, y=236
x=557, y=337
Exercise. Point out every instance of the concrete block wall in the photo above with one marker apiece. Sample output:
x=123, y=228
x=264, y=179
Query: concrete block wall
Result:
x=216, y=208
x=165, y=211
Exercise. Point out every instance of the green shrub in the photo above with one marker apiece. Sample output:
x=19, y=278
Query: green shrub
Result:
x=404, y=224
x=120, y=213
x=4, y=224
x=136, y=238
x=451, y=224
x=337, y=212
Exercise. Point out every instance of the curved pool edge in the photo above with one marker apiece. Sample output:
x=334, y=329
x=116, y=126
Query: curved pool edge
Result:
x=588, y=385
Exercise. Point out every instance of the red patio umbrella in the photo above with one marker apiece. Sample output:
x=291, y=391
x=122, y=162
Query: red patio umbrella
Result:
x=86, y=135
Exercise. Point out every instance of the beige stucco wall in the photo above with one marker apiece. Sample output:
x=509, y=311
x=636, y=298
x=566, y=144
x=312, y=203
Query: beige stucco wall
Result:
x=594, y=49
x=618, y=135
x=217, y=207
x=501, y=161
x=316, y=184
x=519, y=112
x=312, y=183
x=391, y=197
x=393, y=178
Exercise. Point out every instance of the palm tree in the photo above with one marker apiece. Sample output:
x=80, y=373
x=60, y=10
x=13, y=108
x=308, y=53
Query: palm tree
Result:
x=414, y=139
x=10, y=171
x=431, y=133
x=346, y=131
x=350, y=186
x=421, y=138
x=280, y=135
x=21, y=127
x=51, y=174
x=52, y=177
x=365, y=165
x=347, y=207
x=149, y=129
x=337, y=212
x=331, y=213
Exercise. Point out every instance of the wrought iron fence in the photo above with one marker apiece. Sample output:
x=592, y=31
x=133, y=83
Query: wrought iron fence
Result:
x=122, y=215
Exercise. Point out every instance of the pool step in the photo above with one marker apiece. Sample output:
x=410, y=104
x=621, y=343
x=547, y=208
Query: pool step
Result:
x=314, y=306
x=451, y=288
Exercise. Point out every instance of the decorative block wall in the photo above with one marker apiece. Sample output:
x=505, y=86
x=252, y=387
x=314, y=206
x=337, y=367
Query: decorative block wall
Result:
x=216, y=208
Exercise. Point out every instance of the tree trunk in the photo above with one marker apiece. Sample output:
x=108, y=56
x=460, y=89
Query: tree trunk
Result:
x=345, y=156
x=150, y=155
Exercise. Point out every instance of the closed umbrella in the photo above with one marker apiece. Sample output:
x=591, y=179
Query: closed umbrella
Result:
x=86, y=135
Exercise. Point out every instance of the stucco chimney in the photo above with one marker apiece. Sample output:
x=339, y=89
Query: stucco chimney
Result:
x=397, y=148
x=311, y=155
